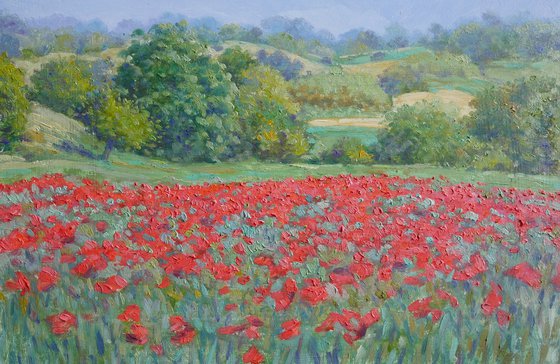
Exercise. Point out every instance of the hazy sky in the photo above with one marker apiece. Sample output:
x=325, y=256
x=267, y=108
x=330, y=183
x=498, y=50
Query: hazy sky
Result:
x=334, y=15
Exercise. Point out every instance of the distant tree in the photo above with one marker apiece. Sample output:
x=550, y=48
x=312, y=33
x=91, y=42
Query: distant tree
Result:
x=281, y=62
x=267, y=116
x=288, y=43
x=10, y=45
x=537, y=39
x=171, y=74
x=237, y=61
x=231, y=32
x=13, y=104
x=120, y=124
x=369, y=39
x=402, y=78
x=522, y=119
x=484, y=43
x=12, y=24
x=438, y=37
x=254, y=35
x=421, y=134
x=64, y=85
x=65, y=42
x=347, y=151
x=396, y=36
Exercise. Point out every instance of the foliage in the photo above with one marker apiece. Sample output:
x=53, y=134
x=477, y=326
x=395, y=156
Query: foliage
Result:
x=13, y=103
x=120, y=124
x=171, y=74
x=421, y=134
x=330, y=92
x=267, y=114
x=402, y=78
x=347, y=151
x=237, y=61
x=64, y=85
x=10, y=44
x=281, y=62
x=522, y=118
x=484, y=42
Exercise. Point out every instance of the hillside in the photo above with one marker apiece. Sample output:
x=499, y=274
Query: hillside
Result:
x=51, y=134
x=308, y=65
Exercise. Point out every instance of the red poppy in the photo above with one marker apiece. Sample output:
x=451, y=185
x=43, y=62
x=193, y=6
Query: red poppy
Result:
x=526, y=274
x=183, y=331
x=137, y=335
x=20, y=283
x=253, y=356
x=556, y=279
x=157, y=349
x=493, y=300
x=503, y=317
x=47, y=279
x=130, y=313
x=291, y=329
x=111, y=285
x=314, y=293
x=164, y=282
x=62, y=322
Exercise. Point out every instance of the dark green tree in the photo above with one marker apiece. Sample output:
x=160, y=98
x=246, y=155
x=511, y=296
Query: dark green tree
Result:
x=268, y=118
x=237, y=61
x=421, y=134
x=522, y=119
x=170, y=73
x=64, y=85
x=13, y=104
x=120, y=124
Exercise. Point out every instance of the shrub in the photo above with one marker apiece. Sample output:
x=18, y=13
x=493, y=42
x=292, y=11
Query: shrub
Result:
x=13, y=104
x=421, y=134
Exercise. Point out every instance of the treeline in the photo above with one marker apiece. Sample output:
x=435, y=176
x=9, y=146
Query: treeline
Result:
x=483, y=41
x=492, y=39
x=170, y=98
x=515, y=127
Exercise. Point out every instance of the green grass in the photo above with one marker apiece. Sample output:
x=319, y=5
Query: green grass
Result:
x=391, y=55
x=125, y=167
x=328, y=135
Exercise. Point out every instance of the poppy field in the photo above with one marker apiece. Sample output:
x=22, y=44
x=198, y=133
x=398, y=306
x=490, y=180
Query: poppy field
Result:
x=338, y=269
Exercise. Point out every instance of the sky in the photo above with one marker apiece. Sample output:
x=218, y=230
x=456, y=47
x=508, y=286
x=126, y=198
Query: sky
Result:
x=336, y=16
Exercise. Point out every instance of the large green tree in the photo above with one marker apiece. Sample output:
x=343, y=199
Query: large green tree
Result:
x=421, y=133
x=237, y=61
x=268, y=117
x=13, y=104
x=64, y=85
x=522, y=120
x=170, y=73
x=120, y=124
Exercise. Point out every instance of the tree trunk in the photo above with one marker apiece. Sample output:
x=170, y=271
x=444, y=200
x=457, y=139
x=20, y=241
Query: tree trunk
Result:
x=108, y=149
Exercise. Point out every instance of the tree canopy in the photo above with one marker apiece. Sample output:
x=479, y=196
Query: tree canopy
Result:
x=13, y=104
x=170, y=73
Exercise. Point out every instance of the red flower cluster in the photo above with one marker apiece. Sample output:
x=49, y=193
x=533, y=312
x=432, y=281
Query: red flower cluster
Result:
x=285, y=249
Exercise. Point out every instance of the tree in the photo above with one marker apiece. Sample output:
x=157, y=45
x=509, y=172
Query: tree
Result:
x=268, y=116
x=421, y=134
x=171, y=74
x=10, y=45
x=237, y=61
x=13, y=104
x=120, y=124
x=522, y=119
x=280, y=62
x=484, y=42
x=64, y=85
x=402, y=78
